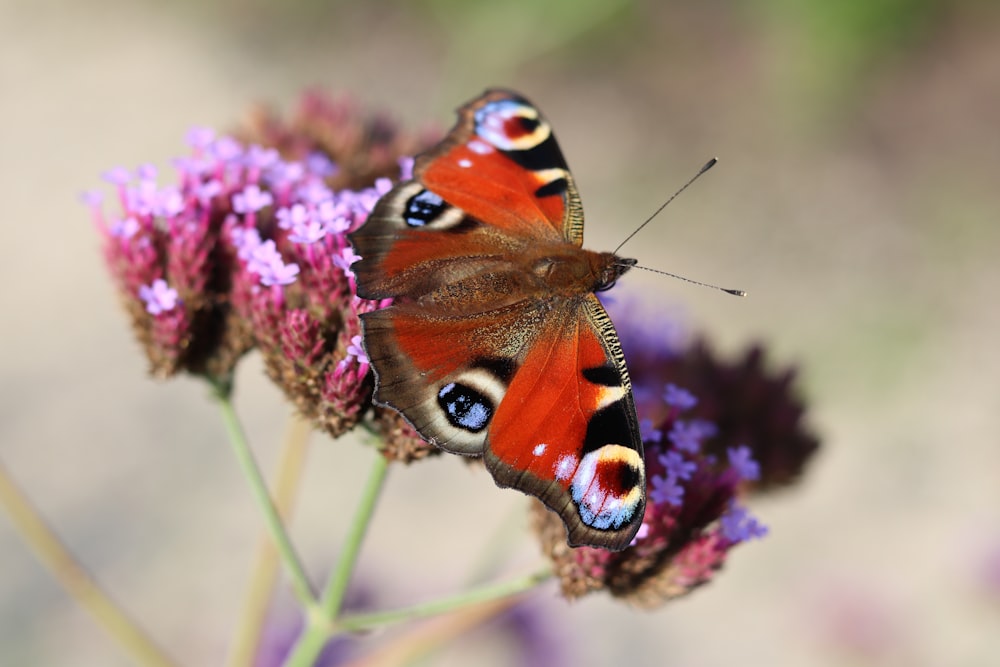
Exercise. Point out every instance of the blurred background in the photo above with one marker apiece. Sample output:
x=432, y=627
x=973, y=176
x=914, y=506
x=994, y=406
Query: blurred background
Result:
x=856, y=200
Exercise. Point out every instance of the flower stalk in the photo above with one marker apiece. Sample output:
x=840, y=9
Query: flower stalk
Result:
x=75, y=580
x=266, y=561
x=272, y=517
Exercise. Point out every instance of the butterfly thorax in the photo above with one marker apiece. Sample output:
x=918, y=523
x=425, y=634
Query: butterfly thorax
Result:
x=574, y=272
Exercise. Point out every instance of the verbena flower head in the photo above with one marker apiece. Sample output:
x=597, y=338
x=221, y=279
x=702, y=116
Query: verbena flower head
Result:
x=245, y=245
x=700, y=466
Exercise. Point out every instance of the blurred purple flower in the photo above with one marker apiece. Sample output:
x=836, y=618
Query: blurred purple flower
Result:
x=664, y=490
x=266, y=262
x=677, y=465
x=741, y=459
x=251, y=199
x=679, y=398
x=158, y=297
x=738, y=525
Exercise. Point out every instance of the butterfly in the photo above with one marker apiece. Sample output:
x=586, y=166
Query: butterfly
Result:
x=495, y=344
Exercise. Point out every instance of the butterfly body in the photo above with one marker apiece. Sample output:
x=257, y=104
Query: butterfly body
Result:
x=495, y=344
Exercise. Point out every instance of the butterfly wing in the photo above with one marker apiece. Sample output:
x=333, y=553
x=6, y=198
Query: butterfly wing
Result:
x=505, y=147
x=496, y=183
x=476, y=351
x=540, y=389
x=567, y=431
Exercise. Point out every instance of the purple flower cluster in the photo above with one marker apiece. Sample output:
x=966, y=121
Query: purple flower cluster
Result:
x=245, y=248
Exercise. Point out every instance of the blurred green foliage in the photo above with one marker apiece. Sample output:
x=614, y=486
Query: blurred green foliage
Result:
x=492, y=40
x=826, y=50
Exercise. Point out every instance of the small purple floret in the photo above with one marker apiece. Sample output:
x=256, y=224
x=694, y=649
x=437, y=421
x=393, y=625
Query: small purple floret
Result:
x=285, y=173
x=320, y=165
x=124, y=229
x=310, y=231
x=648, y=432
x=315, y=192
x=158, y=297
x=246, y=242
x=356, y=350
x=289, y=218
x=226, y=149
x=677, y=465
x=405, y=168
x=146, y=172
x=345, y=259
x=738, y=525
x=261, y=158
x=688, y=435
x=200, y=137
x=117, y=175
x=266, y=262
x=741, y=459
x=679, y=398
x=208, y=191
x=251, y=200
x=92, y=198
x=170, y=202
x=666, y=490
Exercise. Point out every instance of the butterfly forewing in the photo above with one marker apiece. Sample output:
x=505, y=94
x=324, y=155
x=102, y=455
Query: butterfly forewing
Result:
x=495, y=344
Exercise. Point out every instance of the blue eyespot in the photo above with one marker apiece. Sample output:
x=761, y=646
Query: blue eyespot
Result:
x=465, y=407
x=422, y=208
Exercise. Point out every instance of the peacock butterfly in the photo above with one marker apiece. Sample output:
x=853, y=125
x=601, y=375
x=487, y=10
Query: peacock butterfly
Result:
x=495, y=344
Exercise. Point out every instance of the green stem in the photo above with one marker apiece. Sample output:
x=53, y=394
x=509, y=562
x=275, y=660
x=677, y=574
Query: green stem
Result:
x=336, y=586
x=357, y=622
x=266, y=562
x=272, y=518
x=498, y=548
x=75, y=579
x=320, y=624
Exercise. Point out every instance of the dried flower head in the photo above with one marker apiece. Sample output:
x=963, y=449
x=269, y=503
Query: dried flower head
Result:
x=748, y=405
x=333, y=135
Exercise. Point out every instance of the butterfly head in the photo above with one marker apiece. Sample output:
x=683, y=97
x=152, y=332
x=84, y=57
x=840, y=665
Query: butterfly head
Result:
x=610, y=269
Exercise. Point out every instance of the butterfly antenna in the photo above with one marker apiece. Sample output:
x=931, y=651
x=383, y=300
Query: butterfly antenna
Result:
x=734, y=292
x=708, y=165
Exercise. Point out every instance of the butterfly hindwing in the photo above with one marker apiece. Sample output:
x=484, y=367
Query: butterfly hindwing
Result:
x=572, y=438
x=446, y=376
x=495, y=344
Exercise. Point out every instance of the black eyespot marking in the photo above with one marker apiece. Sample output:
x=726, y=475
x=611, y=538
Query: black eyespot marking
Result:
x=628, y=477
x=556, y=187
x=545, y=155
x=422, y=208
x=502, y=367
x=606, y=376
x=607, y=426
x=529, y=124
x=465, y=407
x=465, y=225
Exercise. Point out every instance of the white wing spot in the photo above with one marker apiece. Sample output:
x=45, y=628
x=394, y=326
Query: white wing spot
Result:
x=539, y=449
x=480, y=147
x=565, y=467
x=464, y=163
